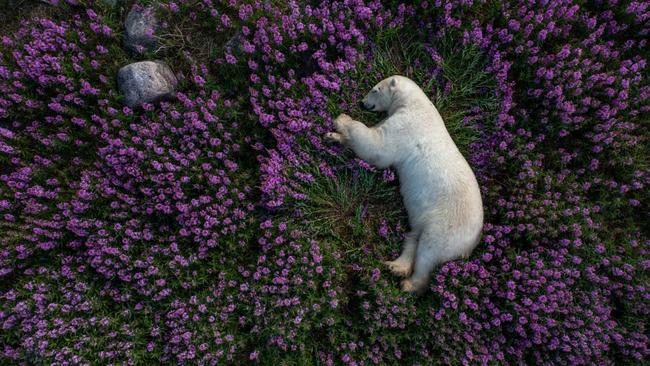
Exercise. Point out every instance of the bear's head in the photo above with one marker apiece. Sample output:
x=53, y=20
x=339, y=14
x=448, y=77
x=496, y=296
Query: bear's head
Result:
x=387, y=92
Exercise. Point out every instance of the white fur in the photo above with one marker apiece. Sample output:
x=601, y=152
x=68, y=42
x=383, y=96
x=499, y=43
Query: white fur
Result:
x=439, y=189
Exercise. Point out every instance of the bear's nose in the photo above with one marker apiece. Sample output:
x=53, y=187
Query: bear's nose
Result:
x=361, y=105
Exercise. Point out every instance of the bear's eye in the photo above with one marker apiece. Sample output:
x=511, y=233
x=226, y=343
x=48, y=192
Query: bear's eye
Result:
x=374, y=91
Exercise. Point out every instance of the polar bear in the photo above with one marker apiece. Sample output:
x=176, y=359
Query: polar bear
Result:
x=439, y=189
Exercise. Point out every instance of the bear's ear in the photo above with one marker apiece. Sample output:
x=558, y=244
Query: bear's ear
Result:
x=393, y=83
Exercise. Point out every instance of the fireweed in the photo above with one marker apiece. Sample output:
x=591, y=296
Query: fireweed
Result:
x=185, y=232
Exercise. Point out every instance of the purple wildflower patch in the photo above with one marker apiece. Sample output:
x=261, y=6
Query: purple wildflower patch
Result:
x=219, y=226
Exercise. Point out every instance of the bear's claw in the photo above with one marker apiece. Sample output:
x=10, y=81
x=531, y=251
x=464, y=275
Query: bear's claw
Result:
x=333, y=136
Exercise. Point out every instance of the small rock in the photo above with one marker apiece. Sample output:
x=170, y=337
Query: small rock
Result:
x=140, y=28
x=145, y=82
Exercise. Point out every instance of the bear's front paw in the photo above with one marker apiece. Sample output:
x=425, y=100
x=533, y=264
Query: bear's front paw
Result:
x=334, y=136
x=341, y=121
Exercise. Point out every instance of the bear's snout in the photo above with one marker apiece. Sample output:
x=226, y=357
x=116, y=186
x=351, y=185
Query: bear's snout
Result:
x=363, y=105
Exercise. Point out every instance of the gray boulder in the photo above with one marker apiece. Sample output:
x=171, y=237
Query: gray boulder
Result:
x=145, y=82
x=140, y=28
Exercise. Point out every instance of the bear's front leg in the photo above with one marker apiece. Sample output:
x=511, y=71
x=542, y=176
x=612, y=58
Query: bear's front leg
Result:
x=366, y=142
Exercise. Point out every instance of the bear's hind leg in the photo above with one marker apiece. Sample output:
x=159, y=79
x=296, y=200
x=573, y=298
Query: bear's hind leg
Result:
x=403, y=265
x=427, y=257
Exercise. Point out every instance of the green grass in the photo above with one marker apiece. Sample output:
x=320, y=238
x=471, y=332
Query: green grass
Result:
x=348, y=211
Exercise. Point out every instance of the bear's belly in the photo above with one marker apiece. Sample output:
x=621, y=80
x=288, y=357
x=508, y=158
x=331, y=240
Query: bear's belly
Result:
x=439, y=189
x=421, y=191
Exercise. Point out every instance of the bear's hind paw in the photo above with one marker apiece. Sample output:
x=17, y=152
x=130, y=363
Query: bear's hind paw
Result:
x=408, y=285
x=399, y=268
